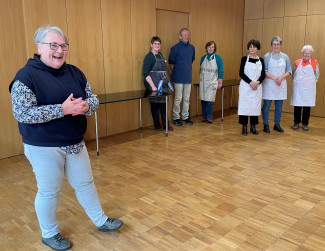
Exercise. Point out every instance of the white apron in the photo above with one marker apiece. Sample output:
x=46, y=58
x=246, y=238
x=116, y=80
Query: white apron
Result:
x=271, y=90
x=208, y=79
x=304, y=86
x=249, y=102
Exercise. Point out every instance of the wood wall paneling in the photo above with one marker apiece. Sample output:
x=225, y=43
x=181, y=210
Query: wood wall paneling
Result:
x=273, y=8
x=252, y=30
x=316, y=7
x=13, y=51
x=198, y=20
x=117, y=45
x=254, y=9
x=295, y=7
x=39, y=13
x=174, y=5
x=271, y=27
x=314, y=26
x=293, y=40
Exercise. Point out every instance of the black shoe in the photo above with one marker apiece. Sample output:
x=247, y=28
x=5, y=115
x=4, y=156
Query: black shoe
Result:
x=278, y=128
x=57, y=242
x=110, y=225
x=178, y=122
x=266, y=128
x=244, y=130
x=253, y=130
x=188, y=121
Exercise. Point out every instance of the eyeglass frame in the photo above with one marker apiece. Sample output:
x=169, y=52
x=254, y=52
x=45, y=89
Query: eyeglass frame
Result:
x=57, y=46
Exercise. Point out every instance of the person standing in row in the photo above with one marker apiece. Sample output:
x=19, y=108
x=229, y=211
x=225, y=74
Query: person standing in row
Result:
x=50, y=100
x=155, y=70
x=211, y=75
x=180, y=60
x=303, y=95
x=277, y=68
x=252, y=74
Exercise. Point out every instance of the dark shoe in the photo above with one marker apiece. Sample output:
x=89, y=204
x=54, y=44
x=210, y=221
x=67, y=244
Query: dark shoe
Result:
x=278, y=128
x=209, y=121
x=159, y=128
x=57, y=242
x=204, y=120
x=178, y=122
x=266, y=128
x=244, y=130
x=188, y=121
x=253, y=130
x=111, y=225
x=305, y=127
x=295, y=126
x=169, y=128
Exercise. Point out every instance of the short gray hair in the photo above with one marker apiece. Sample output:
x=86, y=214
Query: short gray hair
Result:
x=276, y=38
x=307, y=47
x=183, y=29
x=41, y=32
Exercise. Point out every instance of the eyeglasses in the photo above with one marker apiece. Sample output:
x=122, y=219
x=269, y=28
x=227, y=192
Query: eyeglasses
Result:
x=156, y=43
x=276, y=44
x=55, y=46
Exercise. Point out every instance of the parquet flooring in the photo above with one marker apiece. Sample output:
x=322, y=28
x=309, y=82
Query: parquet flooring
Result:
x=205, y=187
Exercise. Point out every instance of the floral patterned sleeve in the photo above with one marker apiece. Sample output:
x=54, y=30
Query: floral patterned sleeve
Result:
x=25, y=109
x=91, y=99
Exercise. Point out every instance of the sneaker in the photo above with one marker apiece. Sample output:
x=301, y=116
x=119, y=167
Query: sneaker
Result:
x=159, y=128
x=188, y=121
x=110, y=225
x=209, y=121
x=204, y=120
x=178, y=122
x=305, y=127
x=295, y=126
x=57, y=242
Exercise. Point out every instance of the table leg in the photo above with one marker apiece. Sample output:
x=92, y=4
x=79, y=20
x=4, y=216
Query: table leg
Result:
x=166, y=116
x=222, y=103
x=197, y=100
x=140, y=115
x=96, y=133
x=232, y=93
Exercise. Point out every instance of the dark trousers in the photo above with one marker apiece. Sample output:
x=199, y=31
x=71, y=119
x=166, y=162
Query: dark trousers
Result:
x=243, y=120
x=155, y=109
x=305, y=115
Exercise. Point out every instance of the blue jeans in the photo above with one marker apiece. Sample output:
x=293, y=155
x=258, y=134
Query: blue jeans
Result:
x=207, y=109
x=277, y=111
x=49, y=165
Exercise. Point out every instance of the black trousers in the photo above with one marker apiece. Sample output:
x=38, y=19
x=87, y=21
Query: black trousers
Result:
x=243, y=120
x=155, y=109
x=305, y=114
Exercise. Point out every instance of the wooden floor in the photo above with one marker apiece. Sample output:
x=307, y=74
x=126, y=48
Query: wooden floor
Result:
x=205, y=187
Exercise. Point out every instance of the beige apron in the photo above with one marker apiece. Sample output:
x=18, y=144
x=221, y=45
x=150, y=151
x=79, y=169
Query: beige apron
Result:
x=208, y=79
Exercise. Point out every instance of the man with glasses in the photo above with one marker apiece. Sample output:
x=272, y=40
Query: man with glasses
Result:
x=50, y=100
x=180, y=60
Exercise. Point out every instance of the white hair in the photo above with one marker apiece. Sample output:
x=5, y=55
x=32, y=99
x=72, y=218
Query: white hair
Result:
x=42, y=31
x=307, y=47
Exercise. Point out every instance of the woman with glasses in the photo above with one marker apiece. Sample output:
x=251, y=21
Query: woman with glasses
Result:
x=154, y=71
x=277, y=69
x=303, y=94
x=50, y=100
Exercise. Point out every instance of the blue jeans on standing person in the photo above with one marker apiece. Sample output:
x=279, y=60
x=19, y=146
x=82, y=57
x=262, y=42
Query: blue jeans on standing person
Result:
x=50, y=164
x=277, y=111
x=207, y=109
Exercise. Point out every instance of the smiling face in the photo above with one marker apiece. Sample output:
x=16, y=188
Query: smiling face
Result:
x=52, y=58
x=210, y=49
x=185, y=36
x=306, y=55
x=276, y=47
x=155, y=47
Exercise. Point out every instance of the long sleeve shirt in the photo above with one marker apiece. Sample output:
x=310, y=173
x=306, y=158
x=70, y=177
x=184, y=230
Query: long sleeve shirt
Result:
x=242, y=69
